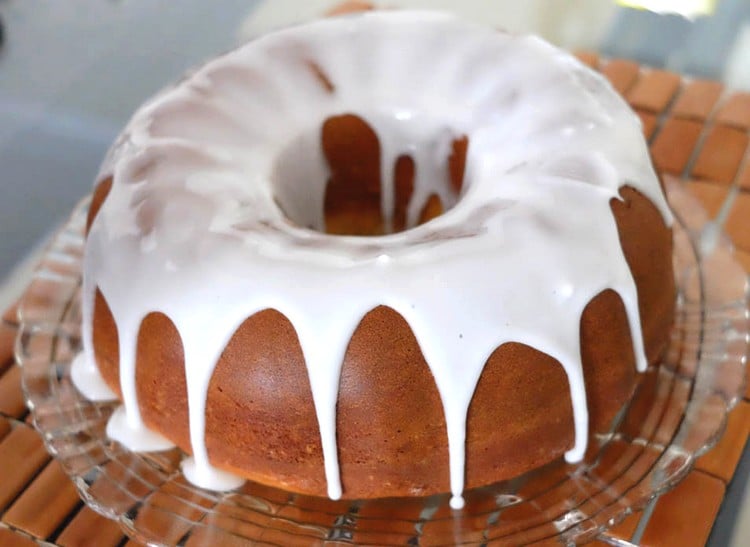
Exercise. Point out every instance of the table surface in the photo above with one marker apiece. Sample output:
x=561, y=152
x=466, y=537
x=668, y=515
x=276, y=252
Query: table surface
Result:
x=51, y=140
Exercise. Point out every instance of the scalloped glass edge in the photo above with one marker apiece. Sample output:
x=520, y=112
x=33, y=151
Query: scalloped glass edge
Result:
x=701, y=378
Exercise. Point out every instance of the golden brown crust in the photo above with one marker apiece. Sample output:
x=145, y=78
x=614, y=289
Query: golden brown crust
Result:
x=457, y=162
x=390, y=416
x=260, y=413
x=647, y=245
x=349, y=7
x=160, y=381
x=106, y=343
x=521, y=416
x=353, y=200
x=97, y=199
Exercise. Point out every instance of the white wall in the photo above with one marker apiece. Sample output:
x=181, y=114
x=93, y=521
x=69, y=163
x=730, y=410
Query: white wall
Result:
x=71, y=72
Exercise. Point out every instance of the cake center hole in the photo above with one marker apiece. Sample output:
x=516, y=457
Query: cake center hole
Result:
x=349, y=179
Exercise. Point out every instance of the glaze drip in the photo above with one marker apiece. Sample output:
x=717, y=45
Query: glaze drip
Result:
x=193, y=211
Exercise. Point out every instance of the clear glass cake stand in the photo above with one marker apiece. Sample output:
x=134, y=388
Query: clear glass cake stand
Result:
x=678, y=412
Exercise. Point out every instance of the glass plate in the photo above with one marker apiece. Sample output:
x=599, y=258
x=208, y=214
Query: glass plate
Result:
x=678, y=412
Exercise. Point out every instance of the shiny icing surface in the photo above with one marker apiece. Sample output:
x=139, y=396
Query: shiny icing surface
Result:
x=193, y=226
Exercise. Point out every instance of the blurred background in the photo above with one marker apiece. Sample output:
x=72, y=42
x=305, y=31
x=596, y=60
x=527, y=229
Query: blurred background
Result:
x=72, y=72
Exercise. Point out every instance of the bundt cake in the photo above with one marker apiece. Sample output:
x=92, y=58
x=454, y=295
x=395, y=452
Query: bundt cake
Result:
x=389, y=254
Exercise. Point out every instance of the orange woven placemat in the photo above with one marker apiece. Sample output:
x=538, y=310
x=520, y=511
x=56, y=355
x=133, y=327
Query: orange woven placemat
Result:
x=699, y=134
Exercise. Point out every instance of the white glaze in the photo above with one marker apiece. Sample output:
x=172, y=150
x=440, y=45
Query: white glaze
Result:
x=530, y=242
x=136, y=437
x=86, y=377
